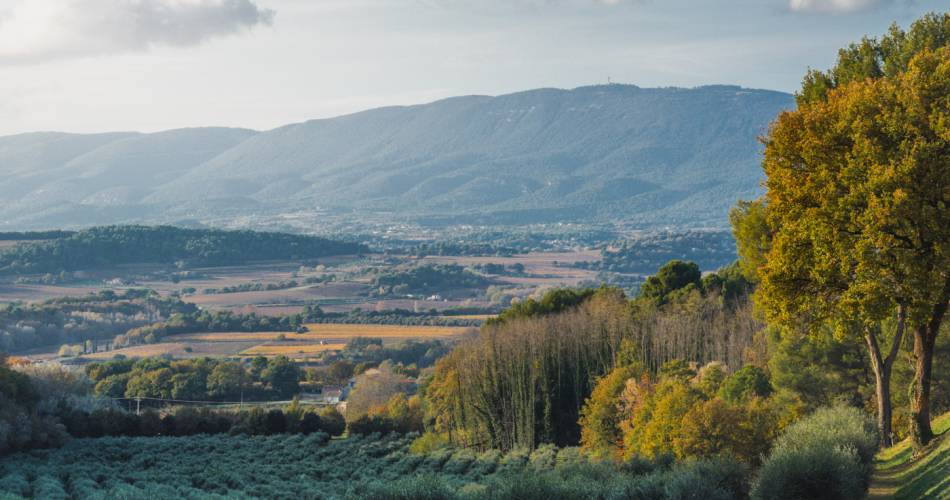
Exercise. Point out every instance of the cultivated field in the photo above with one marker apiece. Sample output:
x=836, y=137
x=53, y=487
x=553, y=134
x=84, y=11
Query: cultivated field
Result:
x=177, y=349
x=329, y=331
x=291, y=349
x=321, y=337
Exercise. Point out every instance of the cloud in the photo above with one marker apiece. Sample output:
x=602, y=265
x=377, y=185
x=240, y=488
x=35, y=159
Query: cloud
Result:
x=39, y=30
x=835, y=6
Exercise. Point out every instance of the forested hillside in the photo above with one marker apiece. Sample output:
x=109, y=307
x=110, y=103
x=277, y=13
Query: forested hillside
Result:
x=601, y=153
x=116, y=245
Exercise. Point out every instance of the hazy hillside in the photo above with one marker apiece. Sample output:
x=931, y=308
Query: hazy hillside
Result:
x=651, y=156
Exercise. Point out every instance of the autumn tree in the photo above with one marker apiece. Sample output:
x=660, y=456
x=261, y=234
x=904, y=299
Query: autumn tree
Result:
x=858, y=190
x=600, y=419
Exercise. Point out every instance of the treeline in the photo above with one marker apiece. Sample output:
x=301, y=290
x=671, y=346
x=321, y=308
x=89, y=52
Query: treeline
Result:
x=206, y=321
x=433, y=278
x=405, y=317
x=191, y=421
x=412, y=353
x=516, y=269
x=525, y=379
x=202, y=379
x=24, y=421
x=441, y=248
x=259, y=287
x=43, y=406
x=83, y=320
x=110, y=246
x=643, y=254
x=34, y=235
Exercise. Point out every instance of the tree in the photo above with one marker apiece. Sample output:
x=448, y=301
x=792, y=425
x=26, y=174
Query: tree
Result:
x=226, y=380
x=750, y=381
x=714, y=426
x=673, y=276
x=600, y=432
x=374, y=388
x=283, y=376
x=340, y=371
x=858, y=190
x=188, y=386
x=753, y=236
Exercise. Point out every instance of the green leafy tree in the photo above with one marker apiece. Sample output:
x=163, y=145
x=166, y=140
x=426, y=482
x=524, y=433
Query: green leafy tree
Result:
x=283, y=376
x=749, y=382
x=226, y=380
x=675, y=275
x=188, y=386
x=858, y=189
x=753, y=236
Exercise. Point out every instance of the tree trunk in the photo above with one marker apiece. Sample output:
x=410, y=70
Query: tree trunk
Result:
x=882, y=375
x=925, y=337
x=920, y=404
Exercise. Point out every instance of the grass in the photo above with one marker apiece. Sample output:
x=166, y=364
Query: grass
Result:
x=899, y=474
x=286, y=350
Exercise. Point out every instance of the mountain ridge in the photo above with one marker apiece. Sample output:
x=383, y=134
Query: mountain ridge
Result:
x=645, y=156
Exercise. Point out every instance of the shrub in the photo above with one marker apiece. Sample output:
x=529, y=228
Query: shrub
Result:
x=368, y=424
x=409, y=488
x=429, y=442
x=717, y=478
x=332, y=422
x=827, y=455
x=276, y=423
x=309, y=423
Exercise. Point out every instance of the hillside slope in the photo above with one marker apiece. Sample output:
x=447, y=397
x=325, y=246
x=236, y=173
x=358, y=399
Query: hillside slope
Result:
x=665, y=156
x=900, y=475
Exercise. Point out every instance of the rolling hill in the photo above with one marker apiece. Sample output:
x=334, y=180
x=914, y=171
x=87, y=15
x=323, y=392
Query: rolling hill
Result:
x=650, y=157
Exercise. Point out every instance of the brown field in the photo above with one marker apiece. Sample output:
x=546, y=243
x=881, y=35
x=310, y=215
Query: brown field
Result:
x=302, y=293
x=222, y=337
x=470, y=316
x=33, y=293
x=320, y=338
x=291, y=349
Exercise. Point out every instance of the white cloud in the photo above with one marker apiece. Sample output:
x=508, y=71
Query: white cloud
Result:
x=39, y=30
x=835, y=5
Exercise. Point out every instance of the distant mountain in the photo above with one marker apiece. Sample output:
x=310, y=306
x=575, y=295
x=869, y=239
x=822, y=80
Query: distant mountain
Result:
x=652, y=157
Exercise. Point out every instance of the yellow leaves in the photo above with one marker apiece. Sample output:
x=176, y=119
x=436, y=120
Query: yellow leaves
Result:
x=854, y=184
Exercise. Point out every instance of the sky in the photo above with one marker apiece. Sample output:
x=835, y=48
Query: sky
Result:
x=149, y=65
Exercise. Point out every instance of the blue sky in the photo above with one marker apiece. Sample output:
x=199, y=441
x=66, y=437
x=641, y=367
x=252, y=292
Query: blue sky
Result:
x=98, y=65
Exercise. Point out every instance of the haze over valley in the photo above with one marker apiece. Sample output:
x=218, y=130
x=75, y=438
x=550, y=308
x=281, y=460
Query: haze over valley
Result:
x=646, y=158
